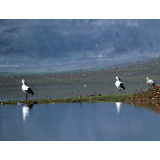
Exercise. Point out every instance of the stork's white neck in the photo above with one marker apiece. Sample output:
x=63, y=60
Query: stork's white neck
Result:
x=117, y=79
x=147, y=79
x=24, y=83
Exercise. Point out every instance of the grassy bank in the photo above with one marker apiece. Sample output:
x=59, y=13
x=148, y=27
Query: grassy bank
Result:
x=79, y=99
x=149, y=95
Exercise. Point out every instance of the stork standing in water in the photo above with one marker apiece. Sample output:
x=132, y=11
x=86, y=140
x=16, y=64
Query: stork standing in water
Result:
x=150, y=82
x=26, y=89
x=119, y=84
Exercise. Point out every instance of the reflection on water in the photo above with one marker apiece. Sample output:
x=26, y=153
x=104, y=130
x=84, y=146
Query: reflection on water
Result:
x=25, y=110
x=149, y=105
x=118, y=105
x=78, y=122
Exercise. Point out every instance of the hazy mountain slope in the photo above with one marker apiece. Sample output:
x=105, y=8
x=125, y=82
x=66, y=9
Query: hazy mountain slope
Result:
x=66, y=40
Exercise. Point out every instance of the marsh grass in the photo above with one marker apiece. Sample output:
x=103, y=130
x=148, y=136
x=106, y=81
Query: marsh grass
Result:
x=148, y=96
x=78, y=99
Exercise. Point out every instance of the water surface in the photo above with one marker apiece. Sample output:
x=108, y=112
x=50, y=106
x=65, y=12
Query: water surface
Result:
x=78, y=122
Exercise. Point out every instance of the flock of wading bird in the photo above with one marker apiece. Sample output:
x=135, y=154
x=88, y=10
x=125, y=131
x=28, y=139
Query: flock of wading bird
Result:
x=118, y=83
x=120, y=86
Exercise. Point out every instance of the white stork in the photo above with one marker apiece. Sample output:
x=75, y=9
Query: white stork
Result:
x=26, y=89
x=119, y=84
x=150, y=82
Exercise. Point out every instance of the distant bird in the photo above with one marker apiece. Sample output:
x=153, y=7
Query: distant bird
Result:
x=26, y=89
x=119, y=84
x=150, y=82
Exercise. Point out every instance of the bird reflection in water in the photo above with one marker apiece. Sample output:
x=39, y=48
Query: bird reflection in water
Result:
x=118, y=105
x=25, y=110
x=153, y=106
x=158, y=107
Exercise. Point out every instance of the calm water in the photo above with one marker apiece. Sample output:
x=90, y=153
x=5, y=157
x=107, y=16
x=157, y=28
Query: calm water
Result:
x=78, y=122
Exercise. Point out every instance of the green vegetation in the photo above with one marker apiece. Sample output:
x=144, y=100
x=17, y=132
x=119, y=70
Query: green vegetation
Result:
x=79, y=99
x=151, y=94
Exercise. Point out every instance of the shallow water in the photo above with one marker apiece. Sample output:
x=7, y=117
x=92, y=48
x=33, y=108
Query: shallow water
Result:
x=78, y=122
x=67, y=91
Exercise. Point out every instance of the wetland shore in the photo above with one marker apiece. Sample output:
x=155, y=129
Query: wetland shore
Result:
x=134, y=74
x=131, y=74
x=150, y=95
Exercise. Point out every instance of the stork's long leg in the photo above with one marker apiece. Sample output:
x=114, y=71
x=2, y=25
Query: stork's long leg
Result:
x=26, y=96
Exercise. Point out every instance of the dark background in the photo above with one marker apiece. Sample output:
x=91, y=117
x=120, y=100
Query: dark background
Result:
x=78, y=38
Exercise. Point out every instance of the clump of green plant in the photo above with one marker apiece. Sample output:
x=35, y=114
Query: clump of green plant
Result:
x=151, y=94
x=78, y=99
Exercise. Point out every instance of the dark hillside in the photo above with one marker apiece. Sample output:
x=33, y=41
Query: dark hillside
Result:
x=79, y=39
